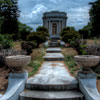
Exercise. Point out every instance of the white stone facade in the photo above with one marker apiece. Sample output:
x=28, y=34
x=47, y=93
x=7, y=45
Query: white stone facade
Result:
x=54, y=21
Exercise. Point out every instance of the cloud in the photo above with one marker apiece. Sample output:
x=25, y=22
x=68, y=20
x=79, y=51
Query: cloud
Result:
x=32, y=11
x=78, y=16
x=38, y=9
x=55, y=1
x=33, y=17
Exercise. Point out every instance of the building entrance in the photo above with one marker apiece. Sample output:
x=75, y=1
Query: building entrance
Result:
x=54, y=28
x=54, y=21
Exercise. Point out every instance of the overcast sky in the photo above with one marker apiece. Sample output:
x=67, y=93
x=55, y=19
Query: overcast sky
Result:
x=32, y=11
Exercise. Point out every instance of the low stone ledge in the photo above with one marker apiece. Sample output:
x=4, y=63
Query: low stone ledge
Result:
x=16, y=85
x=87, y=85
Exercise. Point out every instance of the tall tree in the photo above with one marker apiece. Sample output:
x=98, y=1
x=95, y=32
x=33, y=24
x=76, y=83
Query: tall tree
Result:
x=95, y=18
x=24, y=30
x=10, y=13
x=69, y=34
x=85, y=32
x=3, y=3
x=43, y=30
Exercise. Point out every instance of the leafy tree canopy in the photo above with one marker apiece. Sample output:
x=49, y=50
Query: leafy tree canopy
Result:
x=95, y=18
x=9, y=14
x=24, y=30
x=67, y=29
x=85, y=32
x=43, y=30
x=69, y=34
x=40, y=36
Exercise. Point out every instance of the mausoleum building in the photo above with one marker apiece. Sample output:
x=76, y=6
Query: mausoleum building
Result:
x=54, y=21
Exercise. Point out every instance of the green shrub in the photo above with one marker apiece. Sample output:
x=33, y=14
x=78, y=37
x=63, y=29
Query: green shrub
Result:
x=67, y=29
x=69, y=35
x=43, y=30
x=38, y=37
x=79, y=45
x=6, y=41
x=24, y=31
x=93, y=49
x=28, y=46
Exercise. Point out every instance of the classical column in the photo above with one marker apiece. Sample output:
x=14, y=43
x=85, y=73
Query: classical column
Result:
x=59, y=27
x=63, y=23
x=50, y=28
x=46, y=23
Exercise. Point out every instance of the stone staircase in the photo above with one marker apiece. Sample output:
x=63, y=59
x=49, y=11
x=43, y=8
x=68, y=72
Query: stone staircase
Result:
x=54, y=43
x=53, y=57
x=53, y=82
x=53, y=50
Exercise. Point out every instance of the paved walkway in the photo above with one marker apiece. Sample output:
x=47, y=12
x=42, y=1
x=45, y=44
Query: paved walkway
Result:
x=53, y=73
x=53, y=82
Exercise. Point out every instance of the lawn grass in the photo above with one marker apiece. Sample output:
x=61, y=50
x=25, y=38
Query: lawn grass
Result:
x=93, y=41
x=69, y=54
x=17, y=45
x=72, y=66
x=37, y=59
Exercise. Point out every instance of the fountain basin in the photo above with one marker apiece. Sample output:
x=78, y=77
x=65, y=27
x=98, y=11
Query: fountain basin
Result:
x=18, y=62
x=87, y=61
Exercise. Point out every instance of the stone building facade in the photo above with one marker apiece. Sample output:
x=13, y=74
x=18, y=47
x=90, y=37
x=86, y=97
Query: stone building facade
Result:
x=54, y=21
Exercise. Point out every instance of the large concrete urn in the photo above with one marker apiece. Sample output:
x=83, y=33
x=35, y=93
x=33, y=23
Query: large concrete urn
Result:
x=86, y=62
x=18, y=62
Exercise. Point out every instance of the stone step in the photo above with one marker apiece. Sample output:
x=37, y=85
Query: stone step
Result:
x=49, y=95
x=53, y=57
x=50, y=87
x=54, y=44
x=53, y=50
x=53, y=40
x=53, y=76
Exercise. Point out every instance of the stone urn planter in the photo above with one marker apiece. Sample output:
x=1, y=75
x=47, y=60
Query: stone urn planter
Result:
x=18, y=62
x=86, y=62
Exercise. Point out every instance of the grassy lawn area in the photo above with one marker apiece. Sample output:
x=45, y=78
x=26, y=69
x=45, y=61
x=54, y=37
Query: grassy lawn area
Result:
x=32, y=68
x=69, y=54
x=92, y=41
x=37, y=59
x=17, y=45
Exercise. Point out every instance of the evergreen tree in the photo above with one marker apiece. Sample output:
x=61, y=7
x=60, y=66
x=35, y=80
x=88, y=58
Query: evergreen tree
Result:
x=24, y=30
x=95, y=18
x=9, y=11
x=85, y=32
x=69, y=34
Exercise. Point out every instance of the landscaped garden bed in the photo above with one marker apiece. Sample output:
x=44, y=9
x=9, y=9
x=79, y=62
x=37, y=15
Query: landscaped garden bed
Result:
x=32, y=68
x=69, y=54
